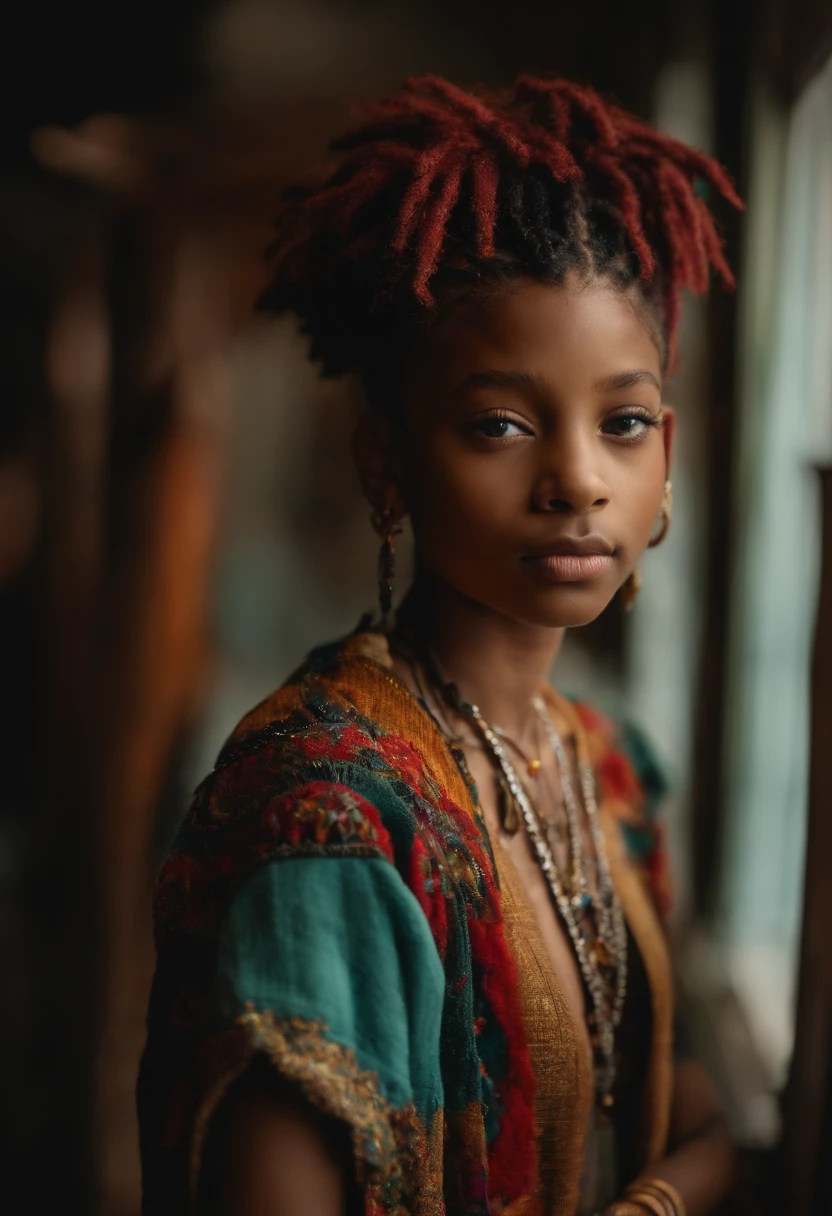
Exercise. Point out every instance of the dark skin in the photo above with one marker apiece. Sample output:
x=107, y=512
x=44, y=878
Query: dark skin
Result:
x=532, y=417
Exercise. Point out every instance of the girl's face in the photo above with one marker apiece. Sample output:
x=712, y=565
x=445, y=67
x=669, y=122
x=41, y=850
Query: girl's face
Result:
x=535, y=449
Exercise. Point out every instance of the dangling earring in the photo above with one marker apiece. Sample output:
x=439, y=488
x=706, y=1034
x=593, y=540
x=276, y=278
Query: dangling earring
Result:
x=387, y=527
x=665, y=516
x=629, y=590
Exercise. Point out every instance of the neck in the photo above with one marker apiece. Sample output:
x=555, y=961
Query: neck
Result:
x=497, y=663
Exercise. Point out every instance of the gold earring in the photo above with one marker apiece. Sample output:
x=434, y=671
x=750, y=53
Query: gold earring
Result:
x=387, y=527
x=629, y=590
x=665, y=516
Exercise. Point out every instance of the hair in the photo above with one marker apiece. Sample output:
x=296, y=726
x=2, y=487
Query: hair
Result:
x=440, y=192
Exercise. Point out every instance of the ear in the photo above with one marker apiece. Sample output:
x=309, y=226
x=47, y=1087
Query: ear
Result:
x=375, y=458
x=668, y=435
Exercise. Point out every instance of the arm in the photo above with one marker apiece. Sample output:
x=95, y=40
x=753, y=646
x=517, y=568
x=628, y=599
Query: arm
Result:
x=700, y=1161
x=700, y=1158
x=272, y=1154
x=331, y=989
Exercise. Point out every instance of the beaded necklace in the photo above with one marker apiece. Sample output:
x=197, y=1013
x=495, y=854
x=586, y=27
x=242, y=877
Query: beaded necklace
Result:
x=603, y=961
x=594, y=921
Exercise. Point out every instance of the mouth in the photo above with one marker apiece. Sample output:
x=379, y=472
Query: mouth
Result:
x=572, y=559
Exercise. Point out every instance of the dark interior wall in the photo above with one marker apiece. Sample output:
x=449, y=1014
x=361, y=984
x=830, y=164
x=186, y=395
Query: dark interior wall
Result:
x=60, y=63
x=796, y=40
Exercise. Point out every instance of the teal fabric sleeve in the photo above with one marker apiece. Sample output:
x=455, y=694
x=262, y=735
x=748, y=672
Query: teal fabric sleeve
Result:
x=341, y=942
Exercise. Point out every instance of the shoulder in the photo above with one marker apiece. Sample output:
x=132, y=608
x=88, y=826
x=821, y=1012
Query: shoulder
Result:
x=330, y=765
x=632, y=787
x=302, y=774
x=627, y=764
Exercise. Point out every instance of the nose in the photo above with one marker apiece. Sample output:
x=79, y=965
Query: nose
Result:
x=571, y=481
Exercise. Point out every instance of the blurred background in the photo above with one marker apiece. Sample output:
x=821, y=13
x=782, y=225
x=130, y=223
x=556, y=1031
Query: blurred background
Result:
x=180, y=522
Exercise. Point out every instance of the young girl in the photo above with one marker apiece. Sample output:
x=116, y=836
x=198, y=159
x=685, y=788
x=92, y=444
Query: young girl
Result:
x=411, y=951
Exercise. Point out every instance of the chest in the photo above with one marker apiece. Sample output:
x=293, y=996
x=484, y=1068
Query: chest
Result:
x=518, y=851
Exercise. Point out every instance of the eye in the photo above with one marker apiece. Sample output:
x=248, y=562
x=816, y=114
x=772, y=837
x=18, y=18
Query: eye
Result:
x=498, y=426
x=632, y=426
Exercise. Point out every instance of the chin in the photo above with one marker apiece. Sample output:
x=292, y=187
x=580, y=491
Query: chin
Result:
x=569, y=607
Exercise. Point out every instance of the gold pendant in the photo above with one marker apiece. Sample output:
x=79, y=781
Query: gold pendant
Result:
x=533, y=767
x=507, y=809
x=603, y=953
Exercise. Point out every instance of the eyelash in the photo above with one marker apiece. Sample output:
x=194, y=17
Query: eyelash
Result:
x=637, y=414
x=498, y=416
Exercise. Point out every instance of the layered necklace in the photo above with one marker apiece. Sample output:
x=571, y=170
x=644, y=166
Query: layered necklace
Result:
x=591, y=913
x=593, y=918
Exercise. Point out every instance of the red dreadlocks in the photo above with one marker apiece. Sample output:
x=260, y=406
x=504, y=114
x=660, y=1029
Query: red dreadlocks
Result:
x=438, y=184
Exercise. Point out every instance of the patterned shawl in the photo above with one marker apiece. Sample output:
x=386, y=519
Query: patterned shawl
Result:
x=331, y=904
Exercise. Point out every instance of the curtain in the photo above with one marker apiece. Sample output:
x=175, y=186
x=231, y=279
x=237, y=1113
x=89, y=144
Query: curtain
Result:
x=785, y=434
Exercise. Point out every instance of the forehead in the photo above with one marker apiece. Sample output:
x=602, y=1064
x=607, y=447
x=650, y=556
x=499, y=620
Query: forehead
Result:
x=572, y=336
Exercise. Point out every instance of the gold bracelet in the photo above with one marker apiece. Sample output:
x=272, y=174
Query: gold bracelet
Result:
x=660, y=1191
x=624, y=1207
x=675, y=1200
x=647, y=1202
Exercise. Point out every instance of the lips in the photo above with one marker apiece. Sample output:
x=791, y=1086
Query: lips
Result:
x=574, y=546
x=572, y=559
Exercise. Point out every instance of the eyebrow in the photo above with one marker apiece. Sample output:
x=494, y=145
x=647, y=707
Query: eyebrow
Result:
x=500, y=379
x=528, y=380
x=626, y=380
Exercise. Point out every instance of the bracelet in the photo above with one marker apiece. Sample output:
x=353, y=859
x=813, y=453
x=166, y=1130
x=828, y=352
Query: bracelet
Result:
x=656, y=1196
x=645, y=1203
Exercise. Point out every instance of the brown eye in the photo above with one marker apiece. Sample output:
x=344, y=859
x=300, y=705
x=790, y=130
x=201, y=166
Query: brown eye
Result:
x=498, y=427
x=494, y=428
x=630, y=426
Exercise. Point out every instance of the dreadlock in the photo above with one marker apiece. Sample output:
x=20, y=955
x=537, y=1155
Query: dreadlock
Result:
x=440, y=191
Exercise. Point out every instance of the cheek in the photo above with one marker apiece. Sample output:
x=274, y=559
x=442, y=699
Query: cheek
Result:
x=639, y=493
x=454, y=494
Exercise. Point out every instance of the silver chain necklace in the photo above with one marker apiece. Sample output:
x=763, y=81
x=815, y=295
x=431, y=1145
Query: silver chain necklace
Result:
x=610, y=943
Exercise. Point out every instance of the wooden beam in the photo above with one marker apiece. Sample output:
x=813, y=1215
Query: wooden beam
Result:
x=731, y=70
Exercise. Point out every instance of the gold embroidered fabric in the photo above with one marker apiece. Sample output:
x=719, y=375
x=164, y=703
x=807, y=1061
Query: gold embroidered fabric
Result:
x=649, y=935
x=563, y=1081
x=563, y=1077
